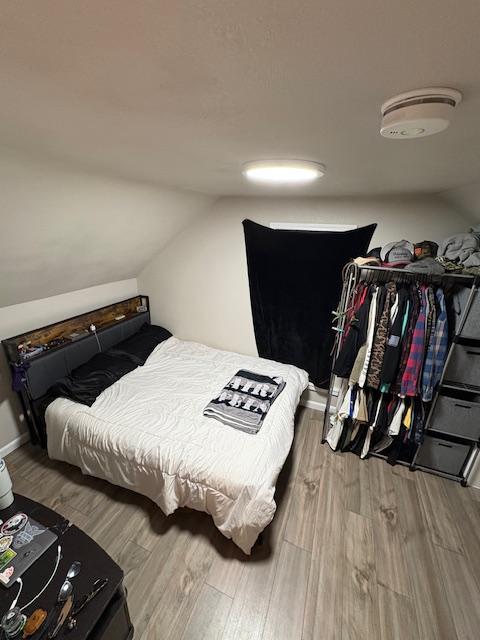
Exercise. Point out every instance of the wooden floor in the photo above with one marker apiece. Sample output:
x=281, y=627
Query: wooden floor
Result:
x=358, y=549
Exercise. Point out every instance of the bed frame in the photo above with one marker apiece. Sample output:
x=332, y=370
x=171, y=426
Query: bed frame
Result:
x=62, y=354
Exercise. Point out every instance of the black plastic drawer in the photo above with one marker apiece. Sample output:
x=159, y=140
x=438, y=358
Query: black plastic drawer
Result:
x=464, y=365
x=443, y=455
x=471, y=328
x=458, y=416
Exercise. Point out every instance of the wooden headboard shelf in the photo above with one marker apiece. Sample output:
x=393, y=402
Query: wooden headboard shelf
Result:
x=101, y=318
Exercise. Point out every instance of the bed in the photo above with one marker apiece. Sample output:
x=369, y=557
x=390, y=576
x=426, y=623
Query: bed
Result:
x=146, y=432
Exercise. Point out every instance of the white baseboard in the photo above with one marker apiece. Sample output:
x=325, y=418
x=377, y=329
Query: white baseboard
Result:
x=14, y=444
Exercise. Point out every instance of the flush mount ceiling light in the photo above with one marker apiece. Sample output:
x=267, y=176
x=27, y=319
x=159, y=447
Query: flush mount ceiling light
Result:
x=418, y=113
x=288, y=172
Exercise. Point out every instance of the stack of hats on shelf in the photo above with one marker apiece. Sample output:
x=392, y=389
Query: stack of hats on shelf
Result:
x=459, y=253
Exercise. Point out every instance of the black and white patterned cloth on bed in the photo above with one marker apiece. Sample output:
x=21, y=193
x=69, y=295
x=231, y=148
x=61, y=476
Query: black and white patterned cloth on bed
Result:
x=244, y=402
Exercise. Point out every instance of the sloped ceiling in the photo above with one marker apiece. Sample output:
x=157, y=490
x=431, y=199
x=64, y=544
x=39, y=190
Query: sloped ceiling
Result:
x=466, y=199
x=182, y=93
x=104, y=103
x=63, y=231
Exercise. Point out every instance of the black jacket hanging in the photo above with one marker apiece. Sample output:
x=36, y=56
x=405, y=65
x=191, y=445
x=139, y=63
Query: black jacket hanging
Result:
x=393, y=349
x=356, y=337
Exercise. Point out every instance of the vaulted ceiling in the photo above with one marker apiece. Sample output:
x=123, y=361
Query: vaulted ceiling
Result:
x=63, y=230
x=182, y=93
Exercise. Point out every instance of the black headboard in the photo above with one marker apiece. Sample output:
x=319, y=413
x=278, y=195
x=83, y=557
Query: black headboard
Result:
x=49, y=367
x=44, y=369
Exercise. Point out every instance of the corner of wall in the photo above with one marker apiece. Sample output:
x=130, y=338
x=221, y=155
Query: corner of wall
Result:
x=206, y=209
x=465, y=199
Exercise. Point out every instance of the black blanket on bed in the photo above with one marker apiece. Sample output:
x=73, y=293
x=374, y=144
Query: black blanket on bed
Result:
x=88, y=381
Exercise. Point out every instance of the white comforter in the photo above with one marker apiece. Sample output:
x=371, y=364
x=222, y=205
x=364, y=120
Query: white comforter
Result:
x=147, y=433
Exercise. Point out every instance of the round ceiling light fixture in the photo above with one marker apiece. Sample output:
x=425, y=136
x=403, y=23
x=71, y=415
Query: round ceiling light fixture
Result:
x=418, y=113
x=279, y=172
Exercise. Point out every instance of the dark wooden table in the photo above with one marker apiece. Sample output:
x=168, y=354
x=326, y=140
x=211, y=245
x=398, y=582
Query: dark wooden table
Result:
x=106, y=616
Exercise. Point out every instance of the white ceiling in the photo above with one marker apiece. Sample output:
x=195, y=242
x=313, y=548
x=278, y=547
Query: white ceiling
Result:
x=182, y=93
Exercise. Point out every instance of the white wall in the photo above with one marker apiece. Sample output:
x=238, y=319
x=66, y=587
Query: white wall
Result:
x=199, y=286
x=18, y=318
x=66, y=229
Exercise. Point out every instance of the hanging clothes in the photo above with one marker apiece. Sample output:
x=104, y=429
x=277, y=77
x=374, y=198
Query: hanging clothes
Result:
x=431, y=315
x=372, y=318
x=380, y=340
x=437, y=351
x=393, y=349
x=391, y=359
x=358, y=365
x=396, y=423
x=416, y=355
x=355, y=334
x=359, y=295
x=337, y=419
x=414, y=309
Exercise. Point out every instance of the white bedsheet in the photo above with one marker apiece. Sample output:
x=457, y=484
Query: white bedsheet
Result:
x=147, y=433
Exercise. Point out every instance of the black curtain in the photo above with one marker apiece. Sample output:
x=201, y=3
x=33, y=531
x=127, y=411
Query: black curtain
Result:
x=295, y=284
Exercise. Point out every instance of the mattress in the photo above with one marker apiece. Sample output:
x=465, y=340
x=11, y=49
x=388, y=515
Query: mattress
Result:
x=147, y=433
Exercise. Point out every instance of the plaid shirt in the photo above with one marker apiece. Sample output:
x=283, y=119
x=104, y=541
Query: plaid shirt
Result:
x=412, y=373
x=407, y=334
x=437, y=351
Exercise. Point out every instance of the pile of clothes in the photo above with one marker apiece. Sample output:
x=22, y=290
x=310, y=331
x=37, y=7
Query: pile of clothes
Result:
x=391, y=358
x=459, y=253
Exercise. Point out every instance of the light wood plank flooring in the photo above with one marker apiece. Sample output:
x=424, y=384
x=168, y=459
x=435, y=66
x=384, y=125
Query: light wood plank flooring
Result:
x=357, y=549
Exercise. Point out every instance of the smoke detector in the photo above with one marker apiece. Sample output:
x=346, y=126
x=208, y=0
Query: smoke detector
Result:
x=418, y=113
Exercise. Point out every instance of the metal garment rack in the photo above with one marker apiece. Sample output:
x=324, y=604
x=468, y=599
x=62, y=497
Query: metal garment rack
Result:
x=352, y=275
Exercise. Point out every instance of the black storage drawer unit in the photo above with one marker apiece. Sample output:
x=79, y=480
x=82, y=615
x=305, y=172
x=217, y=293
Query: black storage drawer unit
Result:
x=471, y=326
x=457, y=414
x=443, y=455
x=464, y=365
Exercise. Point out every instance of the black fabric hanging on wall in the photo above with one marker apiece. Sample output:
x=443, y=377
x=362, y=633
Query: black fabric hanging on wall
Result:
x=295, y=284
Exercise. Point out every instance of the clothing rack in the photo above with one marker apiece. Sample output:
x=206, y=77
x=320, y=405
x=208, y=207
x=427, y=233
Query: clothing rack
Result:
x=373, y=273
x=352, y=275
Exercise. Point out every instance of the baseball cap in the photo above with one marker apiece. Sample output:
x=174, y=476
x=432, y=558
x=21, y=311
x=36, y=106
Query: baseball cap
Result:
x=374, y=253
x=397, y=254
x=425, y=249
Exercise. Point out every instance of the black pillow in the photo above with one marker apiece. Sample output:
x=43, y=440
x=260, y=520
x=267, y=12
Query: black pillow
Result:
x=138, y=347
x=87, y=382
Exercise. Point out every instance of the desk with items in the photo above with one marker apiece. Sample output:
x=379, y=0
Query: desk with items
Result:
x=55, y=581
